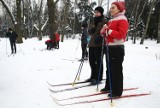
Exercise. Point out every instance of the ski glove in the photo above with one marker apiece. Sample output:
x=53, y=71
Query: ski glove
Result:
x=104, y=30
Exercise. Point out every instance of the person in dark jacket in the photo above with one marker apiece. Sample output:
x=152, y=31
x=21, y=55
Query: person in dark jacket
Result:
x=12, y=38
x=84, y=41
x=95, y=46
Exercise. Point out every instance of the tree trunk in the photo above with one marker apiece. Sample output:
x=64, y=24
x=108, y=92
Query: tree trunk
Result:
x=51, y=13
x=100, y=2
x=147, y=23
x=8, y=11
x=18, y=26
x=158, y=38
x=137, y=21
x=39, y=21
x=65, y=16
x=135, y=25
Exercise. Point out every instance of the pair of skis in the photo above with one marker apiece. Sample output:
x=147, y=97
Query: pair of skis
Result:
x=58, y=101
x=69, y=89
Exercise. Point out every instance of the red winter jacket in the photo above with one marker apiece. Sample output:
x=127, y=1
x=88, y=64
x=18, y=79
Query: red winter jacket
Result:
x=118, y=28
x=57, y=36
x=47, y=41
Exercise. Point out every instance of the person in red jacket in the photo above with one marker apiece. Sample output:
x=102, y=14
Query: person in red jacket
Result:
x=114, y=33
x=57, y=36
x=50, y=44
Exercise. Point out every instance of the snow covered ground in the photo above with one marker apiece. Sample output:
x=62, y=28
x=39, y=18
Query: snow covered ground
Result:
x=23, y=76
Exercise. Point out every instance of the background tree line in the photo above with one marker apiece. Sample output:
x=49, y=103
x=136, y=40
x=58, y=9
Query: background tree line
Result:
x=36, y=19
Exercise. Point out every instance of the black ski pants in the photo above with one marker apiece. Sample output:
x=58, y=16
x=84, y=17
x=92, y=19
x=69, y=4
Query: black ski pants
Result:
x=116, y=57
x=84, y=50
x=94, y=60
x=13, y=46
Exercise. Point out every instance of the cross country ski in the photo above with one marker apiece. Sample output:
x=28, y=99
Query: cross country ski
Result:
x=102, y=99
x=70, y=83
x=89, y=95
x=69, y=89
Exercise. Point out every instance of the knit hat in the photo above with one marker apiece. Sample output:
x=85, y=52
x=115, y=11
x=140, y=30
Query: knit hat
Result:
x=99, y=9
x=120, y=5
x=84, y=25
x=9, y=29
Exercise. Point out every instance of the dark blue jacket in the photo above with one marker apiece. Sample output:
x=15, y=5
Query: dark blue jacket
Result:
x=85, y=35
x=12, y=36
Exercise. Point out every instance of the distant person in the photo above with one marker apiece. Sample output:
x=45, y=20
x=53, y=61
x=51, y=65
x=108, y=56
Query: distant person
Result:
x=12, y=38
x=114, y=33
x=57, y=38
x=84, y=41
x=50, y=44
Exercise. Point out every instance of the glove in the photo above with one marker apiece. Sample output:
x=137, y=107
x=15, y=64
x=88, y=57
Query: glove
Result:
x=103, y=30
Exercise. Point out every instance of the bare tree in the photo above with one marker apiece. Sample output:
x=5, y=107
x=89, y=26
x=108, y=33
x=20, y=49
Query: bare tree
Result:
x=137, y=19
x=18, y=24
x=8, y=11
x=65, y=12
x=148, y=20
x=100, y=2
x=39, y=21
x=134, y=34
x=51, y=13
x=158, y=39
x=15, y=22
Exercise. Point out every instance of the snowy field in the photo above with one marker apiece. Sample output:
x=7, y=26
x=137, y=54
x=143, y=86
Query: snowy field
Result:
x=24, y=76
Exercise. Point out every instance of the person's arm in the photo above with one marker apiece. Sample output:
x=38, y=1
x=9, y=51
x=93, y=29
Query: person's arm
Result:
x=7, y=34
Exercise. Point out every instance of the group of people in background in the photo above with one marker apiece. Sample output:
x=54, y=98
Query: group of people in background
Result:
x=53, y=42
x=107, y=37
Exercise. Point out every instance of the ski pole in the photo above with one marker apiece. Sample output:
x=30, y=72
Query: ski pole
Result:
x=21, y=49
x=101, y=61
x=76, y=47
x=79, y=69
x=109, y=72
x=6, y=45
x=82, y=64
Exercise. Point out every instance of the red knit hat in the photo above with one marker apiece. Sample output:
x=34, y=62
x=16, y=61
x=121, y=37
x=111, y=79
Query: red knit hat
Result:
x=120, y=5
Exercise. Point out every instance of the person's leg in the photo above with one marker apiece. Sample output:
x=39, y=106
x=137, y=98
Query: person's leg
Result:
x=11, y=43
x=83, y=50
x=116, y=60
x=92, y=62
x=58, y=45
x=86, y=52
x=14, y=45
x=99, y=63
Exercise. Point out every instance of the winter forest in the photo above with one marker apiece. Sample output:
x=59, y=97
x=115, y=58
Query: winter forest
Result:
x=38, y=18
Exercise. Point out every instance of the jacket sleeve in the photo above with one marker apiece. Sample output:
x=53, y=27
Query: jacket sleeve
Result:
x=7, y=34
x=121, y=31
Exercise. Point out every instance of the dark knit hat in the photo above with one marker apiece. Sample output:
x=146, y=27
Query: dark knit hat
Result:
x=120, y=5
x=10, y=29
x=84, y=25
x=99, y=9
